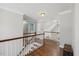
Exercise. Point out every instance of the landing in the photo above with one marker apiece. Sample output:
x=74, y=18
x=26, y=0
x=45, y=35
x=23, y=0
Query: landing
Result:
x=50, y=49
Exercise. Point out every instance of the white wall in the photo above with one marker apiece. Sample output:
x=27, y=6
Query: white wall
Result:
x=66, y=27
x=10, y=27
x=76, y=28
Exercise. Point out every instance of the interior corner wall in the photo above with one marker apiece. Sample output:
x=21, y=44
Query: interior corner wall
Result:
x=10, y=27
x=76, y=30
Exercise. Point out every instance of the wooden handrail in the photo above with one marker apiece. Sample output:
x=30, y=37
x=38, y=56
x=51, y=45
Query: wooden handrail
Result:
x=11, y=39
x=51, y=32
x=17, y=38
x=30, y=33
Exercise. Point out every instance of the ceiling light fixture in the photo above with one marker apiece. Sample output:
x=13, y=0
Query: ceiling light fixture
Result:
x=42, y=13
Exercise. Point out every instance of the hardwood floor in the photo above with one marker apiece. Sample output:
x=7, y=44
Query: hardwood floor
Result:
x=50, y=49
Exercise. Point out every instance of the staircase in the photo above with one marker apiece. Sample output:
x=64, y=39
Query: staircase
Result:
x=33, y=44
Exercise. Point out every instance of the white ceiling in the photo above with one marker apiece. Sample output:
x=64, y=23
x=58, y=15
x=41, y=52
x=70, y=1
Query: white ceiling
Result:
x=32, y=9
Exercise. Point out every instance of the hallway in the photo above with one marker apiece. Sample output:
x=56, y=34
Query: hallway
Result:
x=50, y=49
x=46, y=21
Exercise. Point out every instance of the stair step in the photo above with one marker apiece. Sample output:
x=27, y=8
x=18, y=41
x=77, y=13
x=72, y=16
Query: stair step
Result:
x=30, y=48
